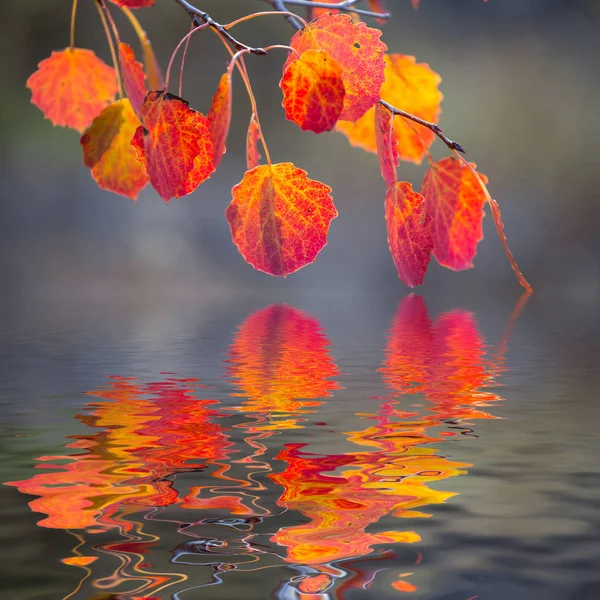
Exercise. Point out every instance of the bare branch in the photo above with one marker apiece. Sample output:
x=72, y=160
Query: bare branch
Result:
x=432, y=126
x=199, y=16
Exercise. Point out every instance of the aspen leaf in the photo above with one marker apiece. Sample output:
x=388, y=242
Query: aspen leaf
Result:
x=454, y=199
x=280, y=218
x=133, y=3
x=134, y=78
x=409, y=232
x=358, y=50
x=413, y=87
x=108, y=152
x=72, y=86
x=313, y=91
x=386, y=145
x=252, y=138
x=219, y=118
x=174, y=145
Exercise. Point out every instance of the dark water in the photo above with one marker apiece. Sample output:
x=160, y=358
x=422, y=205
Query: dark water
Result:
x=323, y=448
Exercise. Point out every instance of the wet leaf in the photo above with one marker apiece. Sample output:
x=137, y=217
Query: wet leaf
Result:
x=134, y=78
x=72, y=86
x=409, y=232
x=412, y=87
x=313, y=91
x=219, y=118
x=386, y=145
x=252, y=139
x=358, y=50
x=280, y=218
x=108, y=152
x=174, y=145
x=454, y=199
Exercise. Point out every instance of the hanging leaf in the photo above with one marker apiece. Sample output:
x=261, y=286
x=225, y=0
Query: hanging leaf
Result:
x=313, y=91
x=133, y=3
x=409, y=232
x=174, y=145
x=134, y=78
x=386, y=145
x=454, y=199
x=252, y=138
x=72, y=86
x=358, y=50
x=219, y=118
x=108, y=152
x=280, y=218
x=413, y=87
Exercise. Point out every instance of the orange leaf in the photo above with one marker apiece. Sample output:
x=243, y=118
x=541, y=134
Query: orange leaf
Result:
x=358, y=50
x=404, y=586
x=252, y=153
x=279, y=218
x=409, y=232
x=386, y=145
x=72, y=86
x=412, y=87
x=313, y=91
x=134, y=78
x=79, y=561
x=219, y=118
x=133, y=3
x=174, y=145
x=107, y=150
x=317, y=11
x=454, y=199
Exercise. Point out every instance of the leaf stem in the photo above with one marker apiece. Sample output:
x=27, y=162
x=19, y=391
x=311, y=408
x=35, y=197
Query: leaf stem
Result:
x=183, y=56
x=73, y=15
x=497, y=217
x=199, y=16
x=102, y=8
x=264, y=14
x=345, y=5
x=182, y=41
x=435, y=128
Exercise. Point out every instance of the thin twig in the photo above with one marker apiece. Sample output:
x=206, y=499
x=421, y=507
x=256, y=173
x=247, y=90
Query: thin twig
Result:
x=346, y=5
x=199, y=16
x=432, y=126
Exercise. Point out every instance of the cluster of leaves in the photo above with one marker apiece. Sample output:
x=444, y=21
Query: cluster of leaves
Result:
x=338, y=76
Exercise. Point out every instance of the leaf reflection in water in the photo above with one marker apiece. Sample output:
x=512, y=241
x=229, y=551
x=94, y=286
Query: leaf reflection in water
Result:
x=161, y=464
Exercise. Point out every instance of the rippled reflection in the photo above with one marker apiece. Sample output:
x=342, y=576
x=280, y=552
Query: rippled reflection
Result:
x=169, y=491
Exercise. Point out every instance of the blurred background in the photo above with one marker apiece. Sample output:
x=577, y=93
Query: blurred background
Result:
x=521, y=88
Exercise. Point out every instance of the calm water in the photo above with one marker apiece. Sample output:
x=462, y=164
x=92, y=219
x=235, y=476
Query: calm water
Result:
x=322, y=448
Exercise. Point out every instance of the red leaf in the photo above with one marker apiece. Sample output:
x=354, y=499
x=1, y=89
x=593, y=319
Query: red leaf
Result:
x=134, y=78
x=313, y=91
x=454, y=199
x=72, y=86
x=219, y=118
x=386, y=144
x=358, y=50
x=175, y=147
x=133, y=3
x=409, y=232
x=252, y=138
x=280, y=218
x=107, y=150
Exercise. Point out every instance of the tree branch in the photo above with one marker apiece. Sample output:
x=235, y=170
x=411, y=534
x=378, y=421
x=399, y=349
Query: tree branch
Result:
x=345, y=5
x=199, y=16
x=432, y=126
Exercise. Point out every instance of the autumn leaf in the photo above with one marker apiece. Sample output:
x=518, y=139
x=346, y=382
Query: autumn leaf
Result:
x=313, y=91
x=280, y=218
x=252, y=153
x=358, y=50
x=454, y=199
x=72, y=86
x=386, y=145
x=108, y=152
x=317, y=11
x=134, y=78
x=219, y=118
x=409, y=232
x=133, y=3
x=174, y=144
x=412, y=87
